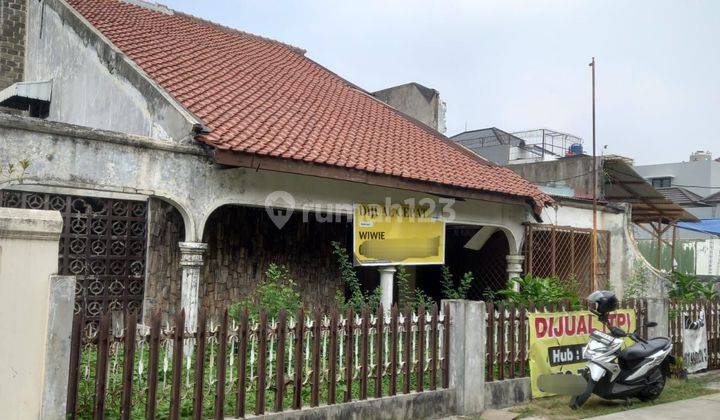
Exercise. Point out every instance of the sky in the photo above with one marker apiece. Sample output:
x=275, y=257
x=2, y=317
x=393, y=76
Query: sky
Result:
x=520, y=65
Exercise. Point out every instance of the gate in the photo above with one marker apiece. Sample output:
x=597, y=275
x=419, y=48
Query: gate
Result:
x=102, y=244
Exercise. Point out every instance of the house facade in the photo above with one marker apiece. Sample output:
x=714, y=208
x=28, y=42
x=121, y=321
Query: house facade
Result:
x=186, y=157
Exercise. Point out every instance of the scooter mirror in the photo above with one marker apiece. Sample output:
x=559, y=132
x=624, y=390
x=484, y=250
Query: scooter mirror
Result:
x=651, y=324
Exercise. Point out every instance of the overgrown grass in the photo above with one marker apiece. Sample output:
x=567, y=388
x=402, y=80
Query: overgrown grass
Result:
x=557, y=407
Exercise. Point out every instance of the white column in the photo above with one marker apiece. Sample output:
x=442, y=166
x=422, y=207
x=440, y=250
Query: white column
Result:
x=386, y=286
x=191, y=261
x=514, y=267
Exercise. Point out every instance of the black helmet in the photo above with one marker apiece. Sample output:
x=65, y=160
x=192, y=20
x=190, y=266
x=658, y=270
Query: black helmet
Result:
x=602, y=302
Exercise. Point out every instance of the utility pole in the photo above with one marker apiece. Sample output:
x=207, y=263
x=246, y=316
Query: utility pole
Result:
x=594, y=186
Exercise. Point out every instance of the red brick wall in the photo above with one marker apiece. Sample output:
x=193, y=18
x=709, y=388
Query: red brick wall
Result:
x=12, y=41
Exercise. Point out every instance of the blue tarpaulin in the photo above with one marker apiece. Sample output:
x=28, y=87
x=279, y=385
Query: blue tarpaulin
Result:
x=711, y=226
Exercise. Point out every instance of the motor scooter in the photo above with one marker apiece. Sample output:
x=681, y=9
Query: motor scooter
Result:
x=639, y=371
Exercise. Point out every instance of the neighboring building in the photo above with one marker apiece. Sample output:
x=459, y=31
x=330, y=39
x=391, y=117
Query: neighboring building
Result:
x=694, y=185
x=700, y=175
x=522, y=147
x=165, y=135
x=416, y=101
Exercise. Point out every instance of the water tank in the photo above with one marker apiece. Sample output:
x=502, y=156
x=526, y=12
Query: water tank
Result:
x=575, y=149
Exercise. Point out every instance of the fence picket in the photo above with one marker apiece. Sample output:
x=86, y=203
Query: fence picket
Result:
x=364, y=328
x=348, y=354
x=128, y=363
x=262, y=363
x=523, y=338
x=490, y=330
x=407, y=354
x=243, y=337
x=299, y=338
x=420, y=368
x=512, y=330
x=199, y=366
x=316, y=331
x=332, y=362
x=501, y=342
x=153, y=360
x=103, y=342
x=433, y=348
x=177, y=360
x=379, y=329
x=280, y=362
x=221, y=367
x=393, y=349
x=73, y=378
x=446, y=347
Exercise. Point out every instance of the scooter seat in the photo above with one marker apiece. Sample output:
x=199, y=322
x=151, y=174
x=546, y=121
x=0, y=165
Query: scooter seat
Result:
x=631, y=356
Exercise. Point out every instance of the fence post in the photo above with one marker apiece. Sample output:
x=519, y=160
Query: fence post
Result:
x=467, y=354
x=657, y=311
x=31, y=307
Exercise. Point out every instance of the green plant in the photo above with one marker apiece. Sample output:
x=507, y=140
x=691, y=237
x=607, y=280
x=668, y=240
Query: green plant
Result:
x=407, y=296
x=13, y=171
x=357, y=299
x=687, y=287
x=449, y=291
x=278, y=291
x=538, y=290
x=636, y=286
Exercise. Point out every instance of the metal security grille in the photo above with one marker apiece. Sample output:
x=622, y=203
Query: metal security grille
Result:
x=566, y=253
x=102, y=243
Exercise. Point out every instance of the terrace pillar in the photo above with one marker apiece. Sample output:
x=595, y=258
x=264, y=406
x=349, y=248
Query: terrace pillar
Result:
x=386, y=286
x=514, y=267
x=191, y=261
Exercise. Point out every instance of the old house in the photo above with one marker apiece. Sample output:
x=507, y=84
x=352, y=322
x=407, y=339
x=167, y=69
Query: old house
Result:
x=168, y=143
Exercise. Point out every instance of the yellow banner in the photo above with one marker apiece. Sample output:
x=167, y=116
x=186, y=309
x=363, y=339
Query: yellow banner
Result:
x=397, y=235
x=557, y=340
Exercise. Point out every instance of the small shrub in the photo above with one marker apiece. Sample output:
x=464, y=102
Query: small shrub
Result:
x=348, y=276
x=406, y=295
x=686, y=288
x=278, y=291
x=539, y=290
x=449, y=291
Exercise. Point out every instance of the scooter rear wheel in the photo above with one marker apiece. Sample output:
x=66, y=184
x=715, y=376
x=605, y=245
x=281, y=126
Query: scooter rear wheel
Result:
x=653, y=390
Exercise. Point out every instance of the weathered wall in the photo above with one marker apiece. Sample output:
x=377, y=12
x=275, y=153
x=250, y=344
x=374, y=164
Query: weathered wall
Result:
x=573, y=172
x=12, y=41
x=243, y=241
x=78, y=158
x=162, y=280
x=28, y=257
x=416, y=101
x=93, y=83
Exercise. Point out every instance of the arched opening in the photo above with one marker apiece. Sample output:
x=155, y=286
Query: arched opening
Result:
x=243, y=241
x=486, y=260
x=166, y=229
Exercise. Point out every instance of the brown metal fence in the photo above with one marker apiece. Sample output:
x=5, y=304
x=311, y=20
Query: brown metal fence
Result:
x=566, y=253
x=712, y=327
x=234, y=367
x=508, y=331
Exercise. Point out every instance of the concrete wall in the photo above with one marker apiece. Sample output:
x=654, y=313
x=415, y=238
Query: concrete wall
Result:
x=425, y=405
x=507, y=393
x=93, y=83
x=574, y=172
x=416, y=101
x=12, y=41
x=28, y=307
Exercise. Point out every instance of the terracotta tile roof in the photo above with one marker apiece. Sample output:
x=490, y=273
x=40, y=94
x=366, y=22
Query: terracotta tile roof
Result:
x=263, y=97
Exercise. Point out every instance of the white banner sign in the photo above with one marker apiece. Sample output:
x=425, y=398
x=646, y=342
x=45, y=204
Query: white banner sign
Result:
x=695, y=351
